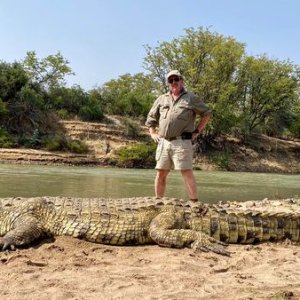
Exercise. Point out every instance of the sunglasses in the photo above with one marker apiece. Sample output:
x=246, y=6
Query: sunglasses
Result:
x=175, y=79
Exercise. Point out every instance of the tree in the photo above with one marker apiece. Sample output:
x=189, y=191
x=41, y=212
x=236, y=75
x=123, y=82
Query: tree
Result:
x=208, y=62
x=48, y=72
x=12, y=79
x=3, y=111
x=18, y=99
x=74, y=101
x=93, y=108
x=24, y=114
x=68, y=99
x=243, y=91
x=130, y=95
x=294, y=126
x=267, y=91
x=27, y=113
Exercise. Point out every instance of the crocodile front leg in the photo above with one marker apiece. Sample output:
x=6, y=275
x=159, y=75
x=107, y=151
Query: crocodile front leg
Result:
x=25, y=230
x=169, y=229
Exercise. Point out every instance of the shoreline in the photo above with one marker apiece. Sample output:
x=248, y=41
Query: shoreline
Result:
x=43, y=157
x=259, y=153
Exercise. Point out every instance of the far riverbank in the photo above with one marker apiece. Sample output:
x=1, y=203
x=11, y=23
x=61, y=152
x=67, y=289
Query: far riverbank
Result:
x=258, y=153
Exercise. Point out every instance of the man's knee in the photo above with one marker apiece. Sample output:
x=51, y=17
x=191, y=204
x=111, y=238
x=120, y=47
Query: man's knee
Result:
x=162, y=174
x=187, y=172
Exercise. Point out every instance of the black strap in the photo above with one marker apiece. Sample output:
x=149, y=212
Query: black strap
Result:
x=187, y=135
x=184, y=136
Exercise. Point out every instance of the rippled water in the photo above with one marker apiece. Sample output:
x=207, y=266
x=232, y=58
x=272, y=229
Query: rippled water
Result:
x=33, y=180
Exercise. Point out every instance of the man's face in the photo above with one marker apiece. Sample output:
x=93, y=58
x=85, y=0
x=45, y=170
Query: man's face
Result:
x=175, y=84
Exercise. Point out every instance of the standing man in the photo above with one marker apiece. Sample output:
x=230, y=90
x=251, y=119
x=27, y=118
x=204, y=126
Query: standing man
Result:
x=174, y=115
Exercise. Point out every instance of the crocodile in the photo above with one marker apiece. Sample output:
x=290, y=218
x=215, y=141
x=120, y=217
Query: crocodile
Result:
x=168, y=222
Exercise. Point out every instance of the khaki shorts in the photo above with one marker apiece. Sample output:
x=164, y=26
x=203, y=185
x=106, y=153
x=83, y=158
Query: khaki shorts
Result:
x=177, y=154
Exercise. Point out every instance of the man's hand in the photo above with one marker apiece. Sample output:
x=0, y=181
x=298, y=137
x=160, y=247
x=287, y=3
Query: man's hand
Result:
x=196, y=132
x=194, y=136
x=155, y=137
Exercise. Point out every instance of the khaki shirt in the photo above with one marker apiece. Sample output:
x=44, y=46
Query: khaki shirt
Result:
x=175, y=117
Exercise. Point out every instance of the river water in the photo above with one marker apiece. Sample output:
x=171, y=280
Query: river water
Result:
x=33, y=180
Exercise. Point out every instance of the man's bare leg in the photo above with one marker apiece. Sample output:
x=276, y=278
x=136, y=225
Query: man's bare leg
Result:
x=190, y=184
x=160, y=182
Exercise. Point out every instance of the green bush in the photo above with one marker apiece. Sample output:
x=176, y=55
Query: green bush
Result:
x=77, y=146
x=132, y=129
x=222, y=160
x=5, y=140
x=294, y=127
x=136, y=156
x=91, y=112
x=63, y=114
x=61, y=143
x=3, y=109
x=54, y=142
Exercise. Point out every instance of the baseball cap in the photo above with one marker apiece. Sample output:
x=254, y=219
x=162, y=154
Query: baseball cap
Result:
x=174, y=73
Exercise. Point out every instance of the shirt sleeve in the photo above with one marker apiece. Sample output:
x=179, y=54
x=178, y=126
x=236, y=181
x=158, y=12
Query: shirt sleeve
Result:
x=153, y=115
x=200, y=107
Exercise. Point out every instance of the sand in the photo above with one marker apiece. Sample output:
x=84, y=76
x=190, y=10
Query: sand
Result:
x=67, y=268
x=75, y=269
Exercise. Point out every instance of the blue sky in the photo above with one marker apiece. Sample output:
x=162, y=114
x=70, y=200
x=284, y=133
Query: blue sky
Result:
x=104, y=39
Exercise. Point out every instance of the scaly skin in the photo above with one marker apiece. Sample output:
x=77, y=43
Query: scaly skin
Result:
x=137, y=221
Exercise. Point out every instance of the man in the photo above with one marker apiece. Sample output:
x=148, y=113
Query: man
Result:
x=174, y=115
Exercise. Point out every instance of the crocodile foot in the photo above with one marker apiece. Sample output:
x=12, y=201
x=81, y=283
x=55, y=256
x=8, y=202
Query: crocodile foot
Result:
x=206, y=243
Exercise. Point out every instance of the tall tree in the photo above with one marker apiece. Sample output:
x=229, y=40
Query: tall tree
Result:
x=48, y=72
x=208, y=62
x=129, y=95
x=267, y=90
x=12, y=79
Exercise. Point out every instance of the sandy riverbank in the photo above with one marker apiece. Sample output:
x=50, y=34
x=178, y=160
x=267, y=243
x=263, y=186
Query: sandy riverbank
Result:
x=67, y=268
x=74, y=269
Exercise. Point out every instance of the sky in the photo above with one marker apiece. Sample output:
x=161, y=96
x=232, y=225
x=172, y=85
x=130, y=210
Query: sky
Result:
x=103, y=40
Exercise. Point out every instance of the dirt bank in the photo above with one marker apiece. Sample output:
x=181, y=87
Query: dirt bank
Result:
x=256, y=154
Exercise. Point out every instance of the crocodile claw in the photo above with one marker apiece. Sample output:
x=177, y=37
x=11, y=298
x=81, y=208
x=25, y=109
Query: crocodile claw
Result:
x=6, y=245
x=207, y=243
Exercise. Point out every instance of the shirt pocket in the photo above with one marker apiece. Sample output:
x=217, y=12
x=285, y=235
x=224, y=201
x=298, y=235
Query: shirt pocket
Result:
x=184, y=112
x=164, y=111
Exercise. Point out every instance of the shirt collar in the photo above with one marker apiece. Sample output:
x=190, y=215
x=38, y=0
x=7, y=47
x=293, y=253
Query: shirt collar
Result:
x=183, y=91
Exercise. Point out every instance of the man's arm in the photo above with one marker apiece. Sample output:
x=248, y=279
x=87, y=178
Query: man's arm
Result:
x=202, y=124
x=152, y=120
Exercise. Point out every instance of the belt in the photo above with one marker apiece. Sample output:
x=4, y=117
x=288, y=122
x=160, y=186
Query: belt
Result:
x=184, y=136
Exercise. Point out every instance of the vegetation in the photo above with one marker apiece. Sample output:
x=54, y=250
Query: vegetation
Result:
x=247, y=94
x=222, y=160
x=129, y=95
x=61, y=143
x=137, y=156
x=26, y=117
x=5, y=140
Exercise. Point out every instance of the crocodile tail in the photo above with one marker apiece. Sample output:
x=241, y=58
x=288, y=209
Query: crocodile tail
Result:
x=251, y=227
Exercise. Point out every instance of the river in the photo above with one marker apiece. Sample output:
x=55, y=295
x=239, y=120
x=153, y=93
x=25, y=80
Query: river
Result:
x=34, y=180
